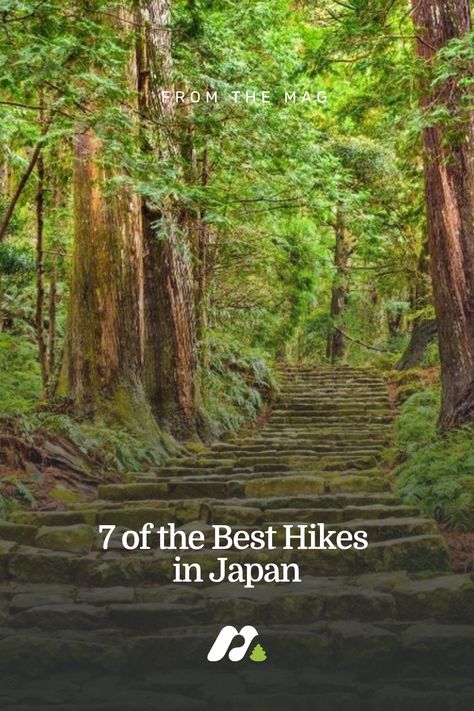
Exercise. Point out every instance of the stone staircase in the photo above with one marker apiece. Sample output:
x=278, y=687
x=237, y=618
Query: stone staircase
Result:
x=381, y=628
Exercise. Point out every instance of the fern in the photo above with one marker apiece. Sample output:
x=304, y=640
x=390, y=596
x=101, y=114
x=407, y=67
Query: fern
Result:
x=438, y=472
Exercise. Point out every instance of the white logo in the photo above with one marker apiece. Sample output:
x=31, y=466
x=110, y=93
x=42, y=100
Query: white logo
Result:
x=224, y=639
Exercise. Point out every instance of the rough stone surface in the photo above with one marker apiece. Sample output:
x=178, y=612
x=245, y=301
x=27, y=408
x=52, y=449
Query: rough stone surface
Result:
x=384, y=628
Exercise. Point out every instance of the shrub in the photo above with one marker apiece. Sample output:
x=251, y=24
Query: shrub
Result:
x=239, y=381
x=20, y=383
x=438, y=472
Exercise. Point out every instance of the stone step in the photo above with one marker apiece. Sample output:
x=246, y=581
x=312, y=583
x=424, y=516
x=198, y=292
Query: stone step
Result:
x=249, y=515
x=307, y=441
x=24, y=523
x=166, y=473
x=318, y=462
x=337, y=515
x=332, y=646
x=301, y=399
x=34, y=565
x=342, y=382
x=288, y=486
x=319, y=394
x=315, y=392
x=288, y=452
x=300, y=429
x=338, y=395
x=303, y=466
x=338, y=500
x=314, y=443
x=384, y=694
x=335, y=500
x=338, y=386
x=312, y=440
x=203, y=462
x=344, y=379
x=316, y=403
x=257, y=485
x=339, y=377
x=332, y=418
x=329, y=509
x=84, y=538
x=324, y=409
x=335, y=428
x=242, y=475
x=394, y=596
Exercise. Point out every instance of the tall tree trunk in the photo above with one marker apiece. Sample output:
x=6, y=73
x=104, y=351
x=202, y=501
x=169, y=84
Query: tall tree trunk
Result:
x=200, y=280
x=423, y=334
x=449, y=186
x=103, y=363
x=424, y=330
x=39, y=313
x=52, y=311
x=170, y=338
x=102, y=372
x=201, y=298
x=335, y=347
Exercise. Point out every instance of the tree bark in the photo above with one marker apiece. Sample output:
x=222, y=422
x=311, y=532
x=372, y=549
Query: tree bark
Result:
x=449, y=188
x=200, y=280
x=52, y=311
x=424, y=333
x=103, y=348
x=335, y=347
x=424, y=330
x=39, y=313
x=170, y=335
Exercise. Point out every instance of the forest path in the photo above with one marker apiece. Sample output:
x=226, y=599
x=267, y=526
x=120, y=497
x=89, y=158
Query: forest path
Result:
x=365, y=628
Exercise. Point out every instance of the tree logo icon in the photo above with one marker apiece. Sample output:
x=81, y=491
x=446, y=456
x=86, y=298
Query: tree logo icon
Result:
x=258, y=654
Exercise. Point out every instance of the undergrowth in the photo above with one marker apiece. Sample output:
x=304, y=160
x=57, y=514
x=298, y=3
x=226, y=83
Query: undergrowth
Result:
x=20, y=380
x=437, y=474
x=238, y=383
x=108, y=448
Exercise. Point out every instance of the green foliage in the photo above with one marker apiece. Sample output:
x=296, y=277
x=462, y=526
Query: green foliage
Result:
x=25, y=493
x=438, y=472
x=20, y=383
x=110, y=448
x=116, y=450
x=238, y=382
x=431, y=357
x=454, y=62
x=416, y=424
x=8, y=505
x=13, y=494
x=16, y=261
